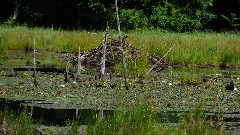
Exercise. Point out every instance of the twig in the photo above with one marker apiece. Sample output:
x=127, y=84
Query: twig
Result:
x=158, y=61
x=79, y=64
x=34, y=61
x=16, y=12
x=34, y=57
x=34, y=68
x=121, y=48
x=102, y=70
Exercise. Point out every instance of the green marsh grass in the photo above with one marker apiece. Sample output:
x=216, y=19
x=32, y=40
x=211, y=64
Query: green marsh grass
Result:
x=198, y=48
x=47, y=39
x=13, y=123
x=136, y=66
x=141, y=120
x=189, y=79
x=191, y=49
x=138, y=120
x=196, y=123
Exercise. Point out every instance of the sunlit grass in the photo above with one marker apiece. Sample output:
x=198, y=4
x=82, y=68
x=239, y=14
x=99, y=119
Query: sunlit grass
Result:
x=199, y=48
x=191, y=49
x=141, y=120
x=47, y=39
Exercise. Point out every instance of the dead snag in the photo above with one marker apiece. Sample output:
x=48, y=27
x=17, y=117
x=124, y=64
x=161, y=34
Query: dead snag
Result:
x=121, y=48
x=103, y=59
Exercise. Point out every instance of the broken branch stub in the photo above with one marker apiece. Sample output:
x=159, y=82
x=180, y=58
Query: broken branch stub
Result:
x=103, y=59
x=79, y=64
x=35, y=82
x=66, y=72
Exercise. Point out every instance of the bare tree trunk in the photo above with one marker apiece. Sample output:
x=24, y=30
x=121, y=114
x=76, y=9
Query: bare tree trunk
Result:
x=121, y=48
x=102, y=69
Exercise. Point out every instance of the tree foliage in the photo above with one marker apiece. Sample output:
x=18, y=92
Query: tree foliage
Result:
x=172, y=15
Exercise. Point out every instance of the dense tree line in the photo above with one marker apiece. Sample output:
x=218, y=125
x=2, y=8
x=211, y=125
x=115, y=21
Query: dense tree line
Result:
x=172, y=15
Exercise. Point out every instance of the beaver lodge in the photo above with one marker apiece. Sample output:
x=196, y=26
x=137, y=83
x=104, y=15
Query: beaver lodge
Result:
x=92, y=58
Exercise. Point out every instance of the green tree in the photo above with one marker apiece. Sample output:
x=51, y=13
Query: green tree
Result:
x=173, y=15
x=181, y=16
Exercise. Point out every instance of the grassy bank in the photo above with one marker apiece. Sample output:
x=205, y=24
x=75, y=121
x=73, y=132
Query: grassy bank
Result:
x=191, y=49
x=138, y=120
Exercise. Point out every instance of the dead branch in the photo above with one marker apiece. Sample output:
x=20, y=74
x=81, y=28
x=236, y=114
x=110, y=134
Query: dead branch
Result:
x=79, y=64
x=121, y=48
x=158, y=61
x=102, y=70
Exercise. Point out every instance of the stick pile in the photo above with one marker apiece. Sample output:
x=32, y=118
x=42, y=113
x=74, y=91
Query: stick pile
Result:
x=92, y=58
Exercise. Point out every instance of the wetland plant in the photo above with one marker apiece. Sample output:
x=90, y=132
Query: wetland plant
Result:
x=190, y=79
x=12, y=123
x=136, y=121
x=196, y=123
x=198, y=48
x=191, y=49
x=142, y=120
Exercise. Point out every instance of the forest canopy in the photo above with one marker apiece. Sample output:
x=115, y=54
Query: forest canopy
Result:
x=170, y=15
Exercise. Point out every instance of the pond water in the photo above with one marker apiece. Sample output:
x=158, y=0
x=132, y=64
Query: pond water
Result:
x=172, y=93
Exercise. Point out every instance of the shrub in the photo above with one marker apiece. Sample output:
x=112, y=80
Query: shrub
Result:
x=132, y=19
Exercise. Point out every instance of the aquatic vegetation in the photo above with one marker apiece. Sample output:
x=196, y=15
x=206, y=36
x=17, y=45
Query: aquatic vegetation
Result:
x=170, y=89
x=136, y=120
x=12, y=122
x=141, y=120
